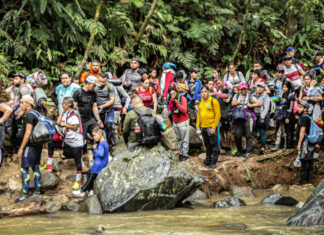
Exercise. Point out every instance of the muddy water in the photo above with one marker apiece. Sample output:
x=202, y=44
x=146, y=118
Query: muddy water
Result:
x=252, y=219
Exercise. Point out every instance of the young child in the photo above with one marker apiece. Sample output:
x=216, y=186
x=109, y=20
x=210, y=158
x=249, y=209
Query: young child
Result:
x=101, y=155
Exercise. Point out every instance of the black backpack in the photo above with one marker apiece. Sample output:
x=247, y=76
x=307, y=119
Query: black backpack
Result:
x=150, y=131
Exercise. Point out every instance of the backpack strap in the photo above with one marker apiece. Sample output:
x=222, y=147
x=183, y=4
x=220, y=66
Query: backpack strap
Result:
x=151, y=90
x=75, y=114
x=138, y=112
x=108, y=87
x=35, y=113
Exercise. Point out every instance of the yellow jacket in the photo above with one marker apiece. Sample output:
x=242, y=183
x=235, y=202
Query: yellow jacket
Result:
x=208, y=114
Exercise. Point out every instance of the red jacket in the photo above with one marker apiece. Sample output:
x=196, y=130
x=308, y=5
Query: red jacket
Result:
x=169, y=79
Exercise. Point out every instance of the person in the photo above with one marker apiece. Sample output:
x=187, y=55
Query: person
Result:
x=255, y=80
x=313, y=95
x=131, y=78
x=319, y=67
x=216, y=75
x=282, y=115
x=21, y=88
x=93, y=71
x=11, y=89
x=5, y=112
x=181, y=84
x=243, y=126
x=154, y=82
x=66, y=89
x=291, y=52
x=208, y=118
x=278, y=80
x=195, y=86
x=293, y=72
x=30, y=154
x=167, y=77
x=129, y=122
x=75, y=80
x=233, y=77
x=85, y=100
x=147, y=93
x=180, y=117
x=257, y=66
x=304, y=146
x=262, y=114
x=106, y=97
x=101, y=159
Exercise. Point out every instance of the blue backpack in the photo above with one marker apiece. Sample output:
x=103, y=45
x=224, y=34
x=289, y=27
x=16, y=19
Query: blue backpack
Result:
x=315, y=135
x=43, y=131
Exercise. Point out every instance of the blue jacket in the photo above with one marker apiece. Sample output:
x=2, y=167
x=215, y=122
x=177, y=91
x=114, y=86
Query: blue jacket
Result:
x=101, y=155
x=196, y=95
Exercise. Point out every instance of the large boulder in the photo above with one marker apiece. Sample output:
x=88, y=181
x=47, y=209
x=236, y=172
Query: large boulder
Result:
x=169, y=139
x=145, y=179
x=91, y=205
x=312, y=213
x=229, y=202
x=48, y=180
x=194, y=139
x=278, y=199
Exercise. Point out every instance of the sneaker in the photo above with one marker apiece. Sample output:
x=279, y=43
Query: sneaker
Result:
x=237, y=154
x=212, y=166
x=180, y=158
x=78, y=193
x=184, y=159
x=76, y=185
x=245, y=155
x=91, y=193
x=22, y=198
x=49, y=167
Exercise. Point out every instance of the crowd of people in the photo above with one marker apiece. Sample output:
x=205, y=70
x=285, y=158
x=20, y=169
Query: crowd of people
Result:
x=97, y=108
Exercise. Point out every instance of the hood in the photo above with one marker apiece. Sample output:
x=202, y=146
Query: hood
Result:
x=95, y=74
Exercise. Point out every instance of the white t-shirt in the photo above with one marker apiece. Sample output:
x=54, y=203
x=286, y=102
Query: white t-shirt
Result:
x=73, y=138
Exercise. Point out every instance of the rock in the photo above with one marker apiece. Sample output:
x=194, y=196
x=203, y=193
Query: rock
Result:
x=198, y=195
x=36, y=198
x=48, y=181
x=278, y=199
x=302, y=188
x=71, y=177
x=199, y=203
x=56, y=166
x=145, y=179
x=245, y=192
x=53, y=206
x=312, y=213
x=169, y=139
x=91, y=205
x=194, y=139
x=229, y=202
x=71, y=206
x=100, y=229
x=14, y=185
x=279, y=188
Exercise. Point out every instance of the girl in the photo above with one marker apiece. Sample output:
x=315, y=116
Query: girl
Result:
x=255, y=80
x=233, y=77
x=154, y=82
x=147, y=93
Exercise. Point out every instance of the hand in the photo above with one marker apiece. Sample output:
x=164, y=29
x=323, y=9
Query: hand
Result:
x=124, y=111
x=127, y=84
x=306, y=98
x=241, y=100
x=20, y=153
x=197, y=102
x=299, y=147
x=101, y=124
x=100, y=108
x=249, y=105
x=287, y=121
x=198, y=128
x=212, y=131
x=94, y=145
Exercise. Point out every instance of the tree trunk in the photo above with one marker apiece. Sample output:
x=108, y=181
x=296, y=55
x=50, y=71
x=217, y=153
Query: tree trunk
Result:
x=238, y=47
x=146, y=21
x=93, y=33
x=292, y=20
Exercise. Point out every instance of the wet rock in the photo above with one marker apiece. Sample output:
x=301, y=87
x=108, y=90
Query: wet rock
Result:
x=145, y=179
x=278, y=199
x=56, y=166
x=200, y=203
x=48, y=181
x=91, y=205
x=302, y=188
x=312, y=213
x=198, y=195
x=194, y=139
x=169, y=140
x=229, y=202
x=71, y=206
x=279, y=188
x=14, y=185
x=53, y=206
x=38, y=199
x=245, y=192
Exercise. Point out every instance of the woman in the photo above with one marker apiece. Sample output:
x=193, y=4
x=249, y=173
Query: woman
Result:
x=73, y=140
x=154, y=82
x=233, y=77
x=147, y=93
x=255, y=80
x=312, y=95
x=181, y=84
x=243, y=125
x=178, y=109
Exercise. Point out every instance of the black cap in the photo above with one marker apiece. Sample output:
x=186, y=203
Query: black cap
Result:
x=135, y=59
x=318, y=53
x=256, y=71
x=287, y=57
x=193, y=70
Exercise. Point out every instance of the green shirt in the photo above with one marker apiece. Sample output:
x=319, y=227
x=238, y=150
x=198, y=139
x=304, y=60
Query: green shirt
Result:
x=129, y=122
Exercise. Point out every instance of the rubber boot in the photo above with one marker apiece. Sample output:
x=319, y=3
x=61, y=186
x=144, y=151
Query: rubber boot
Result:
x=275, y=148
x=213, y=163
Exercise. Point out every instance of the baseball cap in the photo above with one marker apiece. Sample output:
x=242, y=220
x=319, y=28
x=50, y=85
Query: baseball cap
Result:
x=242, y=85
x=193, y=70
x=135, y=59
x=289, y=49
x=91, y=79
x=28, y=99
x=318, y=53
x=304, y=103
x=286, y=57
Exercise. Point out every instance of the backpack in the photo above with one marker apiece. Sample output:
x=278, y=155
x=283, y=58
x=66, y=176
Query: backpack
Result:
x=150, y=131
x=315, y=135
x=43, y=131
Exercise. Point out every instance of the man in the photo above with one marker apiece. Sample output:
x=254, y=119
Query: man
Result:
x=305, y=148
x=319, y=67
x=291, y=52
x=208, y=118
x=86, y=101
x=129, y=123
x=106, y=97
x=11, y=89
x=293, y=72
x=276, y=83
x=94, y=71
x=167, y=77
x=5, y=112
x=257, y=66
x=66, y=89
x=131, y=78
x=30, y=154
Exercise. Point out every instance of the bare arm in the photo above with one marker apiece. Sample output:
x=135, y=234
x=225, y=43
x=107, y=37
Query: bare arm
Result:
x=6, y=112
x=301, y=137
x=154, y=102
x=29, y=129
x=109, y=103
x=95, y=111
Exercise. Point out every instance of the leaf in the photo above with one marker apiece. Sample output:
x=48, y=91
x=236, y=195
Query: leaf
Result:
x=43, y=4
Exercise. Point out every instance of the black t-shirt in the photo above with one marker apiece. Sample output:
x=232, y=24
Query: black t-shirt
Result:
x=29, y=118
x=305, y=122
x=85, y=100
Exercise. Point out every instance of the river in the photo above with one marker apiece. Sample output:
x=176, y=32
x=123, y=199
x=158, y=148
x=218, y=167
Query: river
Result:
x=252, y=219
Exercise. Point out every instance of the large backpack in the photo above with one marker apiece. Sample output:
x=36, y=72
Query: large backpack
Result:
x=315, y=135
x=150, y=131
x=43, y=131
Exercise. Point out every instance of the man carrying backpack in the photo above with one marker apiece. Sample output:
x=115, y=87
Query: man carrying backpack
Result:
x=305, y=147
x=131, y=78
x=132, y=124
x=30, y=154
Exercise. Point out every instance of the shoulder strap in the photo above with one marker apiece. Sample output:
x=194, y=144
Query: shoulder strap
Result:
x=137, y=89
x=108, y=86
x=35, y=113
x=151, y=90
x=138, y=112
x=75, y=114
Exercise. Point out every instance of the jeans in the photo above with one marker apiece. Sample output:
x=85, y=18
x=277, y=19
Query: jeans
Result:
x=181, y=130
x=243, y=128
x=211, y=143
x=107, y=119
x=262, y=129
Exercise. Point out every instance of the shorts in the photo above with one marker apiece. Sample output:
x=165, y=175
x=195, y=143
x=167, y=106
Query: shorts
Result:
x=88, y=126
x=31, y=156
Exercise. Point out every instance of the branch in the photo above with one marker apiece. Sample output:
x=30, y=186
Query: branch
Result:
x=93, y=33
x=146, y=21
x=238, y=47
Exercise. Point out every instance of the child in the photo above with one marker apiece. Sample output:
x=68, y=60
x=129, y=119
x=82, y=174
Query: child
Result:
x=101, y=155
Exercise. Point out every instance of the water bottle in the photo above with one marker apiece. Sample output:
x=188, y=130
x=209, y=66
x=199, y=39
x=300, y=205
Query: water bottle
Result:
x=138, y=131
x=161, y=122
x=90, y=155
x=297, y=162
